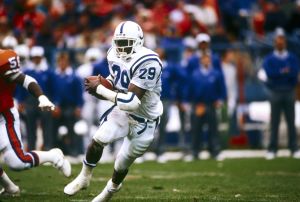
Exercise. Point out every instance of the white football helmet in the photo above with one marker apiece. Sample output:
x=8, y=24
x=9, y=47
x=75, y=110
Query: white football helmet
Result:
x=127, y=39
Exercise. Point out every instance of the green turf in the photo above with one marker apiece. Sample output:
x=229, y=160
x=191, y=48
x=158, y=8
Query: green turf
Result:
x=230, y=180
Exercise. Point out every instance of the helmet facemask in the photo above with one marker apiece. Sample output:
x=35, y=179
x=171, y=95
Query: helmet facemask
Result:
x=124, y=47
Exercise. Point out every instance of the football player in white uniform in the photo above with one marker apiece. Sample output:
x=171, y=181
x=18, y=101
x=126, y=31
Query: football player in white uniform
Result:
x=135, y=73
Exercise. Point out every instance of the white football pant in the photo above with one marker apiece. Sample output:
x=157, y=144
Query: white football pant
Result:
x=117, y=124
x=11, y=144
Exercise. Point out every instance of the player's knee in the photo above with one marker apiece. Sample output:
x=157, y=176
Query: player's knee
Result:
x=120, y=166
x=122, y=163
x=97, y=146
x=101, y=139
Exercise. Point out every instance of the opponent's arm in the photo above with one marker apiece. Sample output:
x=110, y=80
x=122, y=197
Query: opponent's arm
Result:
x=30, y=84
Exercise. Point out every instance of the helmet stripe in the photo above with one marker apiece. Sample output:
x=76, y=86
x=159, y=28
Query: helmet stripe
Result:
x=121, y=29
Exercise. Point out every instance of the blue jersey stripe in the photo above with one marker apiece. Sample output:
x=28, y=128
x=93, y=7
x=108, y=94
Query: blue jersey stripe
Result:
x=141, y=131
x=105, y=114
x=126, y=101
x=141, y=59
x=132, y=66
x=140, y=64
x=159, y=76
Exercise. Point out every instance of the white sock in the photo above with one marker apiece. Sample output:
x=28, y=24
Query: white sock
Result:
x=47, y=157
x=5, y=181
x=87, y=171
x=115, y=186
x=112, y=186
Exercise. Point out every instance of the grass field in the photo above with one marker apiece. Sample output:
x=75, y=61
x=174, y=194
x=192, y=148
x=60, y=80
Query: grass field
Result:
x=230, y=180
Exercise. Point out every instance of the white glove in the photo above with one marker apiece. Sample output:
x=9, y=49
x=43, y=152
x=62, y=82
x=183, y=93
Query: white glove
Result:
x=45, y=103
x=262, y=75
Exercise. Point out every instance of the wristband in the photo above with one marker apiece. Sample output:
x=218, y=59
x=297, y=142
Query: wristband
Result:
x=106, y=93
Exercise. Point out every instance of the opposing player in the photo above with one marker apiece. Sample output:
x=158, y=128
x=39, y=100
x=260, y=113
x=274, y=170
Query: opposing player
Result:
x=135, y=76
x=11, y=145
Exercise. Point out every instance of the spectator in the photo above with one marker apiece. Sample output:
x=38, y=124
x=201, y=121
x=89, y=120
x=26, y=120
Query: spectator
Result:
x=173, y=77
x=9, y=42
x=230, y=76
x=28, y=18
x=234, y=16
x=190, y=45
x=92, y=55
x=281, y=68
x=68, y=89
x=160, y=14
x=28, y=105
x=172, y=43
x=23, y=51
x=294, y=22
x=181, y=18
x=204, y=14
x=4, y=26
x=203, y=41
x=50, y=24
x=274, y=16
x=206, y=88
x=220, y=37
x=45, y=38
x=144, y=18
x=101, y=67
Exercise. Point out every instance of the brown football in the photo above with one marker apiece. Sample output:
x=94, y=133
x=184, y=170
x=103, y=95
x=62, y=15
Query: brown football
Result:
x=102, y=81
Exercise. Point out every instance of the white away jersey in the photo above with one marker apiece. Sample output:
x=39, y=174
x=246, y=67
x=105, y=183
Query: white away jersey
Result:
x=143, y=70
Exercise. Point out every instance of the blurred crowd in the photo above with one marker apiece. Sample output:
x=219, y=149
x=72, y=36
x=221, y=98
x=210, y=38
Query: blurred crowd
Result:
x=60, y=42
x=80, y=24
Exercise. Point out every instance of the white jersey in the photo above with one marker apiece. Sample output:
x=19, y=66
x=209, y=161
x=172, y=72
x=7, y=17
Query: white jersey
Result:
x=143, y=70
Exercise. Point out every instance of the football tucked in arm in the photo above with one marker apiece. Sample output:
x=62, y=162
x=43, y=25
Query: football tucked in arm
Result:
x=91, y=83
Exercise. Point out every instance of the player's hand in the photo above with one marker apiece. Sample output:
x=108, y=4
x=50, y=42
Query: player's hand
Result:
x=77, y=112
x=218, y=104
x=56, y=112
x=45, y=104
x=183, y=107
x=91, y=84
x=21, y=108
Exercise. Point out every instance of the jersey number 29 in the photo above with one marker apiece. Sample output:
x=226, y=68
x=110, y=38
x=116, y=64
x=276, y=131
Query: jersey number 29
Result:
x=145, y=73
x=151, y=73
